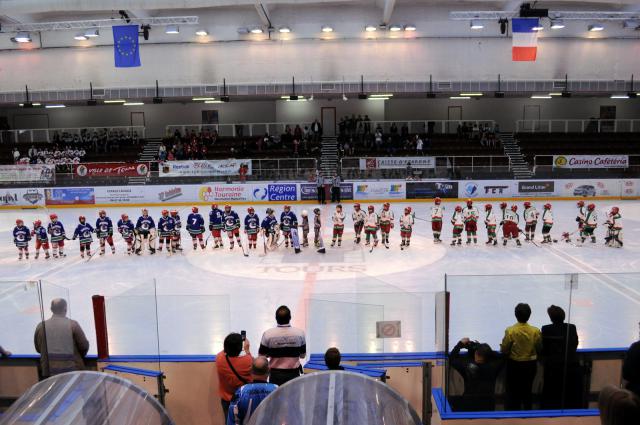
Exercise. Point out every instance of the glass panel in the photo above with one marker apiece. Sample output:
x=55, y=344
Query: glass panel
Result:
x=20, y=313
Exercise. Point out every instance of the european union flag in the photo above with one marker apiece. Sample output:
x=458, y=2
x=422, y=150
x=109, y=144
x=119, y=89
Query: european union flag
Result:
x=126, y=49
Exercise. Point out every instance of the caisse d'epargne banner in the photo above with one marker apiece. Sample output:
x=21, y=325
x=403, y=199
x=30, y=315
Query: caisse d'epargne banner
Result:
x=206, y=168
x=395, y=162
x=111, y=169
x=27, y=173
x=591, y=161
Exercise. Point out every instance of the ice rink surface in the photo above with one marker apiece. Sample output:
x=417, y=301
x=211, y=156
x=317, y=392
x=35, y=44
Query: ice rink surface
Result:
x=187, y=303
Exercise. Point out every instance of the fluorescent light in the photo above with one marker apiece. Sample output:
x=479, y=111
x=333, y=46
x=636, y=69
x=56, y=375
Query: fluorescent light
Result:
x=475, y=94
x=619, y=96
x=540, y=96
x=476, y=25
x=299, y=99
x=370, y=28
x=327, y=28
x=538, y=27
x=115, y=101
x=555, y=94
x=202, y=33
x=133, y=103
x=172, y=29
x=395, y=28
x=203, y=98
x=381, y=95
x=80, y=37
x=92, y=32
x=459, y=97
x=557, y=24
x=23, y=37
x=285, y=30
x=54, y=106
x=213, y=101
x=256, y=30
x=378, y=98
x=596, y=27
x=33, y=104
x=410, y=27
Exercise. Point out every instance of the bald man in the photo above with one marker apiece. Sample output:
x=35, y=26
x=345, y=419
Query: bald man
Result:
x=60, y=341
x=246, y=399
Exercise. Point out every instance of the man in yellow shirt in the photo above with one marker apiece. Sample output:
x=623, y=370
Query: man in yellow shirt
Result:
x=521, y=345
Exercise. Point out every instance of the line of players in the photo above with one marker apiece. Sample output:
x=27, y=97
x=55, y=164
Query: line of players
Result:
x=144, y=232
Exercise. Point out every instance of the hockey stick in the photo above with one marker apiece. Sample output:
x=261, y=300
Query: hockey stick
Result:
x=423, y=219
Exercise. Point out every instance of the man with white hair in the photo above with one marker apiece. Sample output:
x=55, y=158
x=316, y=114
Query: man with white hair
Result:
x=60, y=341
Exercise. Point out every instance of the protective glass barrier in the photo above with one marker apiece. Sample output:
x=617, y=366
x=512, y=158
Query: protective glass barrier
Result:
x=339, y=398
x=86, y=398
x=20, y=313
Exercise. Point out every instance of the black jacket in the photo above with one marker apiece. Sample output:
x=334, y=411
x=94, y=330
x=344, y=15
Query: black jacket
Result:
x=559, y=344
x=631, y=368
x=479, y=379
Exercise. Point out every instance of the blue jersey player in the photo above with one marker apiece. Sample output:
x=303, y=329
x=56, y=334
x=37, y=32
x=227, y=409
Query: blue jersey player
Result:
x=216, y=224
x=166, y=227
x=288, y=220
x=176, y=238
x=42, y=239
x=195, y=227
x=231, y=225
x=21, y=237
x=104, y=231
x=56, y=230
x=127, y=230
x=270, y=227
x=252, y=227
x=145, y=232
x=83, y=232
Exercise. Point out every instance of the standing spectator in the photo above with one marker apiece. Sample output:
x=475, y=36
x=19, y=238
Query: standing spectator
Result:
x=246, y=400
x=409, y=170
x=367, y=125
x=419, y=145
x=521, y=344
x=233, y=369
x=320, y=187
x=618, y=407
x=16, y=155
x=631, y=368
x=60, y=341
x=316, y=130
x=332, y=359
x=335, y=188
x=562, y=379
x=4, y=353
x=284, y=345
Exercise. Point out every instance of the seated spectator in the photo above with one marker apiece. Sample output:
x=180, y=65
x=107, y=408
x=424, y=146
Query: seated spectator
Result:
x=521, y=345
x=4, y=353
x=562, y=380
x=246, y=400
x=631, y=368
x=618, y=407
x=233, y=369
x=284, y=345
x=479, y=370
x=332, y=359
x=162, y=152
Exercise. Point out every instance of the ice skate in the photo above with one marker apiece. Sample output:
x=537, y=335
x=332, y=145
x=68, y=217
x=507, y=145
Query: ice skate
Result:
x=518, y=242
x=504, y=242
x=459, y=241
x=37, y=255
x=46, y=256
x=495, y=242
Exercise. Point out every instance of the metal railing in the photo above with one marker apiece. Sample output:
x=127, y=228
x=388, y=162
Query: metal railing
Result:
x=578, y=126
x=46, y=135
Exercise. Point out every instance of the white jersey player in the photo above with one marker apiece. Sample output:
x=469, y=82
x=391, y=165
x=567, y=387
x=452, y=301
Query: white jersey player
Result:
x=338, y=225
x=437, y=211
x=530, y=216
x=386, y=223
x=590, y=223
x=371, y=225
x=614, y=237
x=470, y=215
x=358, y=217
x=510, y=227
x=406, y=227
x=491, y=224
x=547, y=223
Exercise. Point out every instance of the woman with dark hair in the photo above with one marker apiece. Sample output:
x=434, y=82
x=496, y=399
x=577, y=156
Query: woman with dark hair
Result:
x=562, y=378
x=618, y=407
x=233, y=369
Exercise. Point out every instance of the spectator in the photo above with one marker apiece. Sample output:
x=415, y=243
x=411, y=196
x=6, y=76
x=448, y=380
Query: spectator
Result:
x=233, y=369
x=335, y=188
x=367, y=124
x=162, y=152
x=479, y=370
x=419, y=145
x=16, y=155
x=409, y=170
x=618, y=407
x=63, y=338
x=332, y=359
x=562, y=381
x=284, y=345
x=246, y=400
x=631, y=368
x=320, y=188
x=4, y=353
x=316, y=130
x=521, y=344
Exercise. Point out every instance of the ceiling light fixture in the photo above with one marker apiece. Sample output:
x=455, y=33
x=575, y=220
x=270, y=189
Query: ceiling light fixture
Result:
x=378, y=98
x=285, y=30
x=54, y=106
x=382, y=95
x=476, y=25
x=619, y=96
x=80, y=37
x=32, y=104
x=133, y=103
x=172, y=29
x=115, y=101
x=473, y=94
x=460, y=97
x=327, y=28
x=395, y=28
x=196, y=99
x=537, y=27
x=596, y=27
x=256, y=30
x=410, y=27
x=213, y=101
x=202, y=33
x=92, y=33
x=23, y=37
x=540, y=96
x=555, y=94
x=370, y=28
x=557, y=24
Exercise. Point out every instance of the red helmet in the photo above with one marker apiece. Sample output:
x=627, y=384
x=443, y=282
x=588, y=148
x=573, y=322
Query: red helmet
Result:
x=503, y=205
x=437, y=201
x=173, y=213
x=102, y=213
x=591, y=207
x=514, y=208
x=194, y=209
x=250, y=210
x=370, y=208
x=356, y=206
x=38, y=223
x=19, y=222
x=487, y=207
x=527, y=204
x=124, y=217
x=386, y=205
x=458, y=208
x=53, y=216
x=165, y=213
x=615, y=210
x=469, y=202
x=82, y=219
x=227, y=207
x=145, y=211
x=287, y=207
x=214, y=206
x=407, y=210
x=581, y=203
x=547, y=206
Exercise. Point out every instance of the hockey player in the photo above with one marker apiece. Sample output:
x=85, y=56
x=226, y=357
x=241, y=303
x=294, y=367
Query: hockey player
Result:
x=614, y=237
x=166, y=227
x=490, y=222
x=510, y=226
x=437, y=211
x=305, y=228
x=104, y=231
x=42, y=239
x=145, y=231
x=84, y=231
x=216, y=225
x=127, y=230
x=406, y=226
x=458, y=224
x=21, y=237
x=56, y=230
x=195, y=227
x=582, y=213
x=270, y=229
x=470, y=215
x=590, y=223
x=547, y=223
x=358, y=217
x=503, y=210
x=288, y=220
x=338, y=225
x=231, y=225
x=252, y=227
x=386, y=223
x=317, y=225
x=530, y=216
x=176, y=237
x=371, y=225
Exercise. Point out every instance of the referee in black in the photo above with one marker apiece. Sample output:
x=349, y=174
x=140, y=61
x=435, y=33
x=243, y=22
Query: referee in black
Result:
x=320, y=187
x=335, y=189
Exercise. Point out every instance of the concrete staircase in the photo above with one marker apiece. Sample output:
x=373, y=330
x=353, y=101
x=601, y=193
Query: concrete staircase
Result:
x=329, y=161
x=519, y=165
x=148, y=154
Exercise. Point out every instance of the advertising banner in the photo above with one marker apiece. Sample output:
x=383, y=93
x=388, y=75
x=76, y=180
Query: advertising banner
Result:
x=282, y=192
x=630, y=187
x=588, y=188
x=309, y=191
x=216, y=168
x=124, y=194
x=228, y=192
x=111, y=169
x=379, y=190
x=428, y=190
x=390, y=163
x=27, y=173
x=591, y=161
x=535, y=188
x=70, y=196
x=487, y=189
x=22, y=197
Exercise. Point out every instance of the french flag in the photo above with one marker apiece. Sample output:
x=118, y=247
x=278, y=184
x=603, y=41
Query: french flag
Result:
x=525, y=39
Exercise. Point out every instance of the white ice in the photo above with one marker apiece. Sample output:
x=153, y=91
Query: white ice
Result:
x=336, y=297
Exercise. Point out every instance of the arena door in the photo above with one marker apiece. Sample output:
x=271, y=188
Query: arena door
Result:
x=328, y=121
